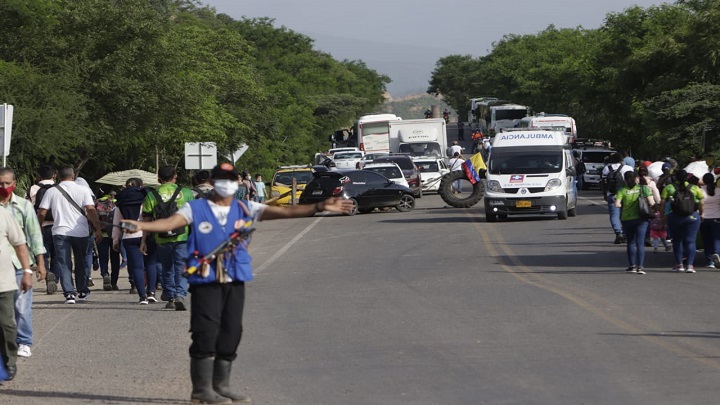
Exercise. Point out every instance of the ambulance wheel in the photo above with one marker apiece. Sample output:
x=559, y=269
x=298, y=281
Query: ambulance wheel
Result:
x=563, y=214
x=453, y=200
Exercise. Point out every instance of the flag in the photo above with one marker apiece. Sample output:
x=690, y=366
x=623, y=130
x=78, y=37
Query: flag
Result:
x=472, y=166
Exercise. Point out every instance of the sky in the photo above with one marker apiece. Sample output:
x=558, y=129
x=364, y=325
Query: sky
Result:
x=404, y=39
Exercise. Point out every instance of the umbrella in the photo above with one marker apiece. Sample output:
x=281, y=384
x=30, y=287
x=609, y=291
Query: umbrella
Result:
x=697, y=169
x=119, y=178
x=655, y=170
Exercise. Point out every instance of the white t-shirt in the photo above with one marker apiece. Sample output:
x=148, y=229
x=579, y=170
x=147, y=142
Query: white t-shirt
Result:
x=453, y=149
x=711, y=207
x=68, y=221
x=456, y=164
x=221, y=212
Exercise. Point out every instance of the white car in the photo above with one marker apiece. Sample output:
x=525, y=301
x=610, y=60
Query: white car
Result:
x=369, y=157
x=346, y=160
x=431, y=171
x=390, y=170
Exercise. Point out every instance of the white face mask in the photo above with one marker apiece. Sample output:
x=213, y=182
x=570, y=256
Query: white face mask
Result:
x=226, y=188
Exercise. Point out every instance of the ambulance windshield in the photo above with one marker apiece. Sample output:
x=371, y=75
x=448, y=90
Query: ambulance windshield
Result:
x=525, y=160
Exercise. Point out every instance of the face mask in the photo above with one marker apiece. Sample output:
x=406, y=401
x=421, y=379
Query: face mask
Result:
x=5, y=192
x=226, y=188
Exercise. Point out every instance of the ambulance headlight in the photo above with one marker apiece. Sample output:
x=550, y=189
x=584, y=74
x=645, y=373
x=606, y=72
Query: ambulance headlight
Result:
x=553, y=184
x=494, y=185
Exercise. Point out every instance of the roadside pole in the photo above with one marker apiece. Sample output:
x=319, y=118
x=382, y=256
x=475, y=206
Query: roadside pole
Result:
x=6, y=117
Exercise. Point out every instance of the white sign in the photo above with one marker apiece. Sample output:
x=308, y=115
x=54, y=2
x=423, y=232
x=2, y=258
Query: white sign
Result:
x=233, y=157
x=6, y=118
x=200, y=155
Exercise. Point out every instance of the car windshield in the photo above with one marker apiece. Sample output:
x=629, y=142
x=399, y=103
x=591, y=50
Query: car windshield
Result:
x=525, y=160
x=348, y=156
x=391, y=172
x=302, y=177
x=595, y=156
x=427, y=166
x=405, y=164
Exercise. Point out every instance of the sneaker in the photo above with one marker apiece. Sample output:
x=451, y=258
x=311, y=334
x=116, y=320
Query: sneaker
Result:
x=640, y=270
x=24, y=351
x=143, y=301
x=678, y=267
x=133, y=290
x=668, y=248
x=107, y=283
x=710, y=266
x=170, y=304
x=51, y=283
x=90, y=282
x=619, y=239
x=690, y=269
x=631, y=269
x=716, y=258
x=84, y=297
x=115, y=287
x=70, y=299
x=180, y=304
x=164, y=297
x=123, y=264
x=151, y=298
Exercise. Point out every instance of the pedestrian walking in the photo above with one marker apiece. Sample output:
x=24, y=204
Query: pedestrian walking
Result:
x=218, y=287
x=634, y=225
x=106, y=208
x=260, y=187
x=658, y=232
x=46, y=179
x=612, y=180
x=710, y=225
x=456, y=163
x=74, y=217
x=24, y=213
x=461, y=130
x=686, y=202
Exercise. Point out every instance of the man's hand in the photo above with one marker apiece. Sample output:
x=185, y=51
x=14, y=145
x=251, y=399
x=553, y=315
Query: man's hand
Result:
x=98, y=236
x=41, y=271
x=26, y=282
x=335, y=204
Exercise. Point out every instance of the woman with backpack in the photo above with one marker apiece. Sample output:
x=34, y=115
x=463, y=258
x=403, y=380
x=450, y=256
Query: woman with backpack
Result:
x=686, y=202
x=633, y=224
x=710, y=225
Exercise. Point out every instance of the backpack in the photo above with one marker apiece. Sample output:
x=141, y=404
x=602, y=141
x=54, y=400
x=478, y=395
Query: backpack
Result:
x=106, y=211
x=166, y=209
x=199, y=193
x=683, y=202
x=615, y=180
x=241, y=193
x=39, y=197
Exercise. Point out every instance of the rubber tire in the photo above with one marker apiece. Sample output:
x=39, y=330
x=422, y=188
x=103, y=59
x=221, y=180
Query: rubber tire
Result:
x=354, y=209
x=563, y=214
x=572, y=212
x=445, y=191
x=406, y=204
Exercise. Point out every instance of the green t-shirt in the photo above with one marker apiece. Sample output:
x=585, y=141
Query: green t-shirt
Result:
x=669, y=191
x=629, y=199
x=166, y=191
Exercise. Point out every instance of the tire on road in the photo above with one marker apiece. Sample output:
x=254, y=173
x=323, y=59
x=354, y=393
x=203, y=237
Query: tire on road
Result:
x=406, y=204
x=468, y=200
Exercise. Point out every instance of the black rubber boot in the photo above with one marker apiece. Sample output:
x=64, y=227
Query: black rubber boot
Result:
x=201, y=374
x=221, y=382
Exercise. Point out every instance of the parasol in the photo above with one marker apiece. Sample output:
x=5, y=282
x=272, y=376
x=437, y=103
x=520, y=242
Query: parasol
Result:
x=119, y=178
x=697, y=168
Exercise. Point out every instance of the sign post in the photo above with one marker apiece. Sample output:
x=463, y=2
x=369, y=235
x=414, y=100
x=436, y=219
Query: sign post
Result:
x=200, y=155
x=234, y=156
x=6, y=118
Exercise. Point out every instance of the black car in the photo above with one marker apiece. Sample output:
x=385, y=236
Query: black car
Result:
x=367, y=190
x=409, y=169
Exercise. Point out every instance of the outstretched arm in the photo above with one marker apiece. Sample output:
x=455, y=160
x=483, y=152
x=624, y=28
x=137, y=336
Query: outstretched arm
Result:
x=332, y=204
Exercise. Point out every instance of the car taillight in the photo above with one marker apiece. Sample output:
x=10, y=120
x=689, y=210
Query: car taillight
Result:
x=337, y=190
x=362, y=147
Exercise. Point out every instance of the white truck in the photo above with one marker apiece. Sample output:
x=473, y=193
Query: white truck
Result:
x=493, y=115
x=419, y=138
x=372, y=132
x=530, y=172
x=551, y=121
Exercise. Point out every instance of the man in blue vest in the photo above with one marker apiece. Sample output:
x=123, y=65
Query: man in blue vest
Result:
x=218, y=287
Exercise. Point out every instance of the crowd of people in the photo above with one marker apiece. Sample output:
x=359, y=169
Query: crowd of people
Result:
x=163, y=232
x=682, y=214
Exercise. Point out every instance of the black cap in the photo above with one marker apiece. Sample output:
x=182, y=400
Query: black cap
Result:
x=224, y=171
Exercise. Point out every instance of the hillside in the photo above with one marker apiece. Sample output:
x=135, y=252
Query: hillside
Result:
x=414, y=106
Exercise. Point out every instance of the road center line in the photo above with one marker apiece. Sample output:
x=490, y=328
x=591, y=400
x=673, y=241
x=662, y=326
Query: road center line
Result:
x=287, y=246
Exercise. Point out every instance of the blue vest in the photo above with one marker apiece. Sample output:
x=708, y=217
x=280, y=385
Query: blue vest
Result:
x=207, y=233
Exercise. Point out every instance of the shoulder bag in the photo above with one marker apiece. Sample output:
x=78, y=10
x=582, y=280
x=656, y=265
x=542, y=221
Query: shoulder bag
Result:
x=91, y=228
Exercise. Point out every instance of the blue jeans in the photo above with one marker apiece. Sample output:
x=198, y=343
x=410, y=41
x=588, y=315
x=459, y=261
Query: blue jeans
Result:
x=50, y=264
x=710, y=232
x=23, y=312
x=137, y=265
x=65, y=248
x=635, y=230
x=614, y=215
x=171, y=257
x=684, y=233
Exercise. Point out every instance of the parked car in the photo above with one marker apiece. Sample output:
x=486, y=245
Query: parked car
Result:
x=431, y=171
x=346, y=160
x=409, y=169
x=367, y=190
x=369, y=157
x=281, y=185
x=390, y=170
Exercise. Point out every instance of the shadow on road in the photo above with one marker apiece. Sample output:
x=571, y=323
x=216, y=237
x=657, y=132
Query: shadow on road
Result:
x=92, y=397
x=671, y=334
x=575, y=262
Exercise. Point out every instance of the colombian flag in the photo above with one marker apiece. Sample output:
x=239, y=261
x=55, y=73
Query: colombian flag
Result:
x=472, y=166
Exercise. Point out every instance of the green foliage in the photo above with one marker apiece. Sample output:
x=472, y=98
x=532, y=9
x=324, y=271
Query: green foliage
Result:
x=413, y=107
x=122, y=84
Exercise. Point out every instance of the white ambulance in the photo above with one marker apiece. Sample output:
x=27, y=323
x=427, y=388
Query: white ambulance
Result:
x=530, y=172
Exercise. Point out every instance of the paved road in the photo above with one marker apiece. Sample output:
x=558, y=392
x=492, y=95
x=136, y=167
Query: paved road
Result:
x=434, y=306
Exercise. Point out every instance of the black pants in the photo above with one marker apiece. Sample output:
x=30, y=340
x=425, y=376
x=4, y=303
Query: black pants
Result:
x=216, y=319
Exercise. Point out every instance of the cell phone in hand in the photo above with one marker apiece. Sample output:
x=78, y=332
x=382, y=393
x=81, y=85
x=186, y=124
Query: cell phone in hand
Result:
x=126, y=226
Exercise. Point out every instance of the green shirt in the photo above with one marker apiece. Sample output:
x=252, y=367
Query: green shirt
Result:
x=669, y=191
x=166, y=191
x=629, y=199
x=24, y=213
